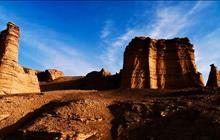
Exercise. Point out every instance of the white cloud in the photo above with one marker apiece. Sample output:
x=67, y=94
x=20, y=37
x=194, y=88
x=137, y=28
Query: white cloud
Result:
x=168, y=23
x=46, y=48
x=56, y=54
x=207, y=49
x=107, y=29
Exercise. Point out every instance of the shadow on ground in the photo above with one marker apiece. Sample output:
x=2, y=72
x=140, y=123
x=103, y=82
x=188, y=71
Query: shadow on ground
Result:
x=12, y=132
x=164, y=121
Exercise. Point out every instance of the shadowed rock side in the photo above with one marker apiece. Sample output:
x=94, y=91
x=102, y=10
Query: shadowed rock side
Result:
x=13, y=77
x=101, y=80
x=98, y=80
x=160, y=64
x=164, y=120
x=214, y=77
x=49, y=75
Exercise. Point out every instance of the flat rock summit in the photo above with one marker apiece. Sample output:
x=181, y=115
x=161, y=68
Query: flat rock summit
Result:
x=159, y=94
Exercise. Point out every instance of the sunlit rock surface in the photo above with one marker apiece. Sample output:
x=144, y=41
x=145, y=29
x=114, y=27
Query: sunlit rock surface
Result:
x=160, y=64
x=13, y=77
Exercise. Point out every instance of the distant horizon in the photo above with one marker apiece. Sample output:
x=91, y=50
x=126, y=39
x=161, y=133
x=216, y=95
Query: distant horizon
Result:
x=80, y=37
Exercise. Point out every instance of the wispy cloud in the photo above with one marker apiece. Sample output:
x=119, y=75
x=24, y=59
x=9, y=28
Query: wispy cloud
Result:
x=207, y=49
x=107, y=29
x=44, y=46
x=59, y=55
x=169, y=21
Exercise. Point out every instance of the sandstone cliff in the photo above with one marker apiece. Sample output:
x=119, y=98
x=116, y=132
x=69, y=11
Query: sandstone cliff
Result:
x=214, y=77
x=13, y=77
x=160, y=64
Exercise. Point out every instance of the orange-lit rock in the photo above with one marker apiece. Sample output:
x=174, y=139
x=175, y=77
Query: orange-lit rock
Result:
x=160, y=64
x=13, y=77
x=214, y=77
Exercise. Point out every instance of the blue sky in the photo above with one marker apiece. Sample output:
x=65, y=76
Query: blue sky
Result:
x=79, y=37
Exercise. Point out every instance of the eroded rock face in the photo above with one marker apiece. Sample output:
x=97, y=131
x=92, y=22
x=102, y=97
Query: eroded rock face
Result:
x=49, y=75
x=160, y=64
x=13, y=77
x=214, y=77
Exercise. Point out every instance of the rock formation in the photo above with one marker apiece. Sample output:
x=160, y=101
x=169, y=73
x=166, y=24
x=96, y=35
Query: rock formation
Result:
x=160, y=64
x=100, y=80
x=214, y=77
x=49, y=75
x=13, y=77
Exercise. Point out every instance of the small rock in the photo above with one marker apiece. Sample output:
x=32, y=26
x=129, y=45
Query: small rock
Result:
x=4, y=116
x=163, y=113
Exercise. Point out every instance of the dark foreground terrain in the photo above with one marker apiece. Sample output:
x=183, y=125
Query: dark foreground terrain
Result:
x=192, y=114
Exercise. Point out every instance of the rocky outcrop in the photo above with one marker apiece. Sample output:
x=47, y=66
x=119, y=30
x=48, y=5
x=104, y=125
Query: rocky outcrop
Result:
x=100, y=80
x=97, y=80
x=49, y=75
x=160, y=64
x=214, y=77
x=13, y=77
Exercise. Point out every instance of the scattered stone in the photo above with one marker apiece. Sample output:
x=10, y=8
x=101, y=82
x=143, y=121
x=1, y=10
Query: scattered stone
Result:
x=163, y=113
x=82, y=136
x=4, y=116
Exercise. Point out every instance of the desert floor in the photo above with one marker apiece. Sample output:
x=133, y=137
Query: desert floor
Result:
x=113, y=114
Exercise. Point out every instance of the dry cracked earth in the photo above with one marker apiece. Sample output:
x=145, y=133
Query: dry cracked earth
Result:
x=113, y=114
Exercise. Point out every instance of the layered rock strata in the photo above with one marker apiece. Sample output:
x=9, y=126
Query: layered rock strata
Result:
x=49, y=75
x=214, y=77
x=13, y=77
x=160, y=64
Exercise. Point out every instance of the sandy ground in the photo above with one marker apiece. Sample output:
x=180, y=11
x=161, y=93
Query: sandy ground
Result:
x=112, y=114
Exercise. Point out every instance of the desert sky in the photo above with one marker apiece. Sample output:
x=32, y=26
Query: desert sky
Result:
x=79, y=37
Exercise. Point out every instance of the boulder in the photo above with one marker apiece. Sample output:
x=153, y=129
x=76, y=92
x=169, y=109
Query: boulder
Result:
x=13, y=77
x=214, y=77
x=160, y=64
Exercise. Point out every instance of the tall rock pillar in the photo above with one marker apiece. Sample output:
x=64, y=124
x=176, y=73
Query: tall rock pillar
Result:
x=13, y=77
x=214, y=77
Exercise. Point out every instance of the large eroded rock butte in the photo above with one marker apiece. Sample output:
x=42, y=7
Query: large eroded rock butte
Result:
x=160, y=64
x=13, y=77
